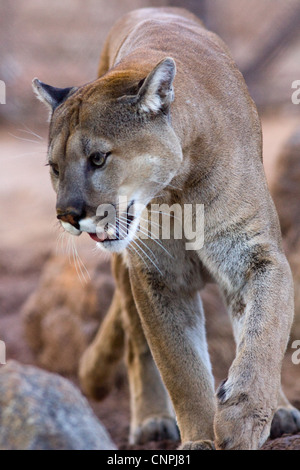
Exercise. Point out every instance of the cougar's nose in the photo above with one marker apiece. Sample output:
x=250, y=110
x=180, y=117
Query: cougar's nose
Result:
x=71, y=216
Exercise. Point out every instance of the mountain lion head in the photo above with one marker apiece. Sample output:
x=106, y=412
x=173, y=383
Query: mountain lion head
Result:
x=111, y=141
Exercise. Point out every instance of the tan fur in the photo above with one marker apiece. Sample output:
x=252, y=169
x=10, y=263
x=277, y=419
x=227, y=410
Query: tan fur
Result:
x=203, y=147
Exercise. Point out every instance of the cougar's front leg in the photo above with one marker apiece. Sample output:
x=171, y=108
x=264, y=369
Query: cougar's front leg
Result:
x=262, y=312
x=173, y=322
x=152, y=416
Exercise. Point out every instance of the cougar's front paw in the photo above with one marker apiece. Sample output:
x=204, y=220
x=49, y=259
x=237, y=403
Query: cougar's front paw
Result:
x=242, y=421
x=197, y=445
x=286, y=421
x=156, y=428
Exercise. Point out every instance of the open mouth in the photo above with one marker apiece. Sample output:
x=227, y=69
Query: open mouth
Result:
x=102, y=238
x=119, y=234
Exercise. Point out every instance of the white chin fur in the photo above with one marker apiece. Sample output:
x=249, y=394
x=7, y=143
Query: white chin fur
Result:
x=88, y=225
x=70, y=229
x=117, y=246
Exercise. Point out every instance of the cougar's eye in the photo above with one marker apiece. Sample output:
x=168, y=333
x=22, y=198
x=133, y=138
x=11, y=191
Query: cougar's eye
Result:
x=54, y=168
x=98, y=159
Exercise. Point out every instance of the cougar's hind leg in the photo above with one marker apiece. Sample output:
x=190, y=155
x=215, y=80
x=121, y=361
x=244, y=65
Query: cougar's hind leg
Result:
x=100, y=361
x=286, y=419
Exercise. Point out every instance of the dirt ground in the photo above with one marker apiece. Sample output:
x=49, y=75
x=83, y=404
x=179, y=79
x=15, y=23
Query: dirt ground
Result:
x=29, y=234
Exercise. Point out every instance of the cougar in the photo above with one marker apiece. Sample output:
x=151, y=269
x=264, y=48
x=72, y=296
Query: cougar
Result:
x=170, y=122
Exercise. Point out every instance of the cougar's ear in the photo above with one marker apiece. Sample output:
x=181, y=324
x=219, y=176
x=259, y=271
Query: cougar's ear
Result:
x=157, y=92
x=50, y=95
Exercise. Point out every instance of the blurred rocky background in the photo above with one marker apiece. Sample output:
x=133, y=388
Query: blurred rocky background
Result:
x=60, y=42
x=53, y=294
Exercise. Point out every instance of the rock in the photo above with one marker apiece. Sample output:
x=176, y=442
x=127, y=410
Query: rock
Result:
x=43, y=411
x=286, y=187
x=286, y=195
x=294, y=260
x=64, y=313
x=286, y=442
